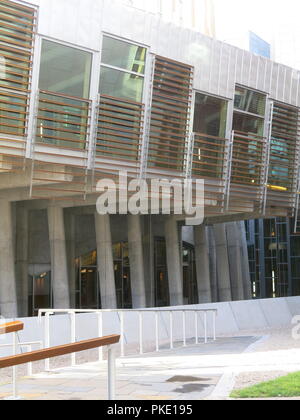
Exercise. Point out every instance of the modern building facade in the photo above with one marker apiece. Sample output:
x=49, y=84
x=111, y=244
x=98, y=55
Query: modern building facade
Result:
x=91, y=88
x=274, y=253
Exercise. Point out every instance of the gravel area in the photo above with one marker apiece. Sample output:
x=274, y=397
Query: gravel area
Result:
x=245, y=380
x=274, y=340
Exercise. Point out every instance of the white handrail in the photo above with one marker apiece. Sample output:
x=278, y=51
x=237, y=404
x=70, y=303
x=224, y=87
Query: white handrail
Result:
x=28, y=346
x=141, y=325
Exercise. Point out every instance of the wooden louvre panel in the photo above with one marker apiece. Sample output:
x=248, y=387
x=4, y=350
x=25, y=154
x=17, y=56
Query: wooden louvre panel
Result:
x=170, y=115
x=62, y=122
x=284, y=154
x=248, y=165
x=17, y=31
x=60, y=161
x=208, y=162
x=120, y=129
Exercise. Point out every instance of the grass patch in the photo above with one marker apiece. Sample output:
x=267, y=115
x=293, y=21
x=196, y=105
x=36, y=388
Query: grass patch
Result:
x=284, y=387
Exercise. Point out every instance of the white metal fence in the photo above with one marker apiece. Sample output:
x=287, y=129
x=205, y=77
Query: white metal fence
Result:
x=183, y=332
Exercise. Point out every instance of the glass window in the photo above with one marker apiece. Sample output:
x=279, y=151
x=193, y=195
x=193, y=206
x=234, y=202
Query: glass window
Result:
x=249, y=101
x=122, y=70
x=121, y=85
x=121, y=54
x=210, y=115
x=248, y=124
x=65, y=70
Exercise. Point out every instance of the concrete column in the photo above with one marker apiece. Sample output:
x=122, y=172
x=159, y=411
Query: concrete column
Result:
x=235, y=261
x=148, y=247
x=8, y=292
x=174, y=261
x=245, y=261
x=22, y=259
x=70, y=223
x=59, y=263
x=202, y=264
x=105, y=262
x=213, y=264
x=224, y=285
x=136, y=258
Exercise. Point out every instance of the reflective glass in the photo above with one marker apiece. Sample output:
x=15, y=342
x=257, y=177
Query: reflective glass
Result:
x=65, y=70
x=210, y=115
x=249, y=101
x=123, y=55
x=121, y=85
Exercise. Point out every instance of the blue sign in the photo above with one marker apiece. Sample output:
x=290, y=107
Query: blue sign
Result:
x=259, y=46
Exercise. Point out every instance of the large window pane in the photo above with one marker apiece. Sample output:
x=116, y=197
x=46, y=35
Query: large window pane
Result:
x=210, y=115
x=121, y=85
x=123, y=55
x=65, y=70
x=248, y=124
x=250, y=101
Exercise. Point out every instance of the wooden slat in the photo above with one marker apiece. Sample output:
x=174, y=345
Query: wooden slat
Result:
x=171, y=104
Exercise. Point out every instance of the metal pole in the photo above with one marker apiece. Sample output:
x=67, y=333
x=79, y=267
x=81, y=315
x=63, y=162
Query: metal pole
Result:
x=196, y=327
x=157, y=331
x=214, y=325
x=73, y=335
x=122, y=334
x=205, y=328
x=30, y=365
x=141, y=332
x=15, y=371
x=184, y=328
x=111, y=374
x=100, y=333
x=171, y=331
x=47, y=339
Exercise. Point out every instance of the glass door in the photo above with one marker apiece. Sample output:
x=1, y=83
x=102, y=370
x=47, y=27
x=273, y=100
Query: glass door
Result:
x=89, y=288
x=40, y=295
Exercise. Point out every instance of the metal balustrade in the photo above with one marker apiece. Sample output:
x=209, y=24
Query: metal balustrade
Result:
x=209, y=322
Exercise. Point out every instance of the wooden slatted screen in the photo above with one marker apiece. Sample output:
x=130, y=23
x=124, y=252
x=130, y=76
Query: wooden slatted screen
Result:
x=17, y=32
x=247, y=175
x=170, y=115
x=60, y=155
x=119, y=137
x=120, y=129
x=284, y=156
x=209, y=157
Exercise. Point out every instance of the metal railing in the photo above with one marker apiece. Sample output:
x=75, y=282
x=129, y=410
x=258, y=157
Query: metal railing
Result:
x=207, y=313
x=29, y=347
x=109, y=342
x=13, y=328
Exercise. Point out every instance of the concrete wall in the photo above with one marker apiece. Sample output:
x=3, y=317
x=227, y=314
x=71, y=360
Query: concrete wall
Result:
x=233, y=318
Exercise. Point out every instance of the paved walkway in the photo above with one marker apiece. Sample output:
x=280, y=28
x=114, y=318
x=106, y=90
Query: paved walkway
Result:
x=193, y=373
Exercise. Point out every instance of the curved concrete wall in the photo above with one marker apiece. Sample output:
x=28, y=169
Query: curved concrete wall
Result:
x=233, y=318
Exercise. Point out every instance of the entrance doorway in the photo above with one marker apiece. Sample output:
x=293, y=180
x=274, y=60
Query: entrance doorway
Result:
x=122, y=275
x=40, y=294
x=190, y=287
x=162, y=295
x=88, y=293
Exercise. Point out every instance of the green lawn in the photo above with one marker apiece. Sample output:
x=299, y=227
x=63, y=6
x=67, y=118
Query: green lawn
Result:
x=285, y=387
